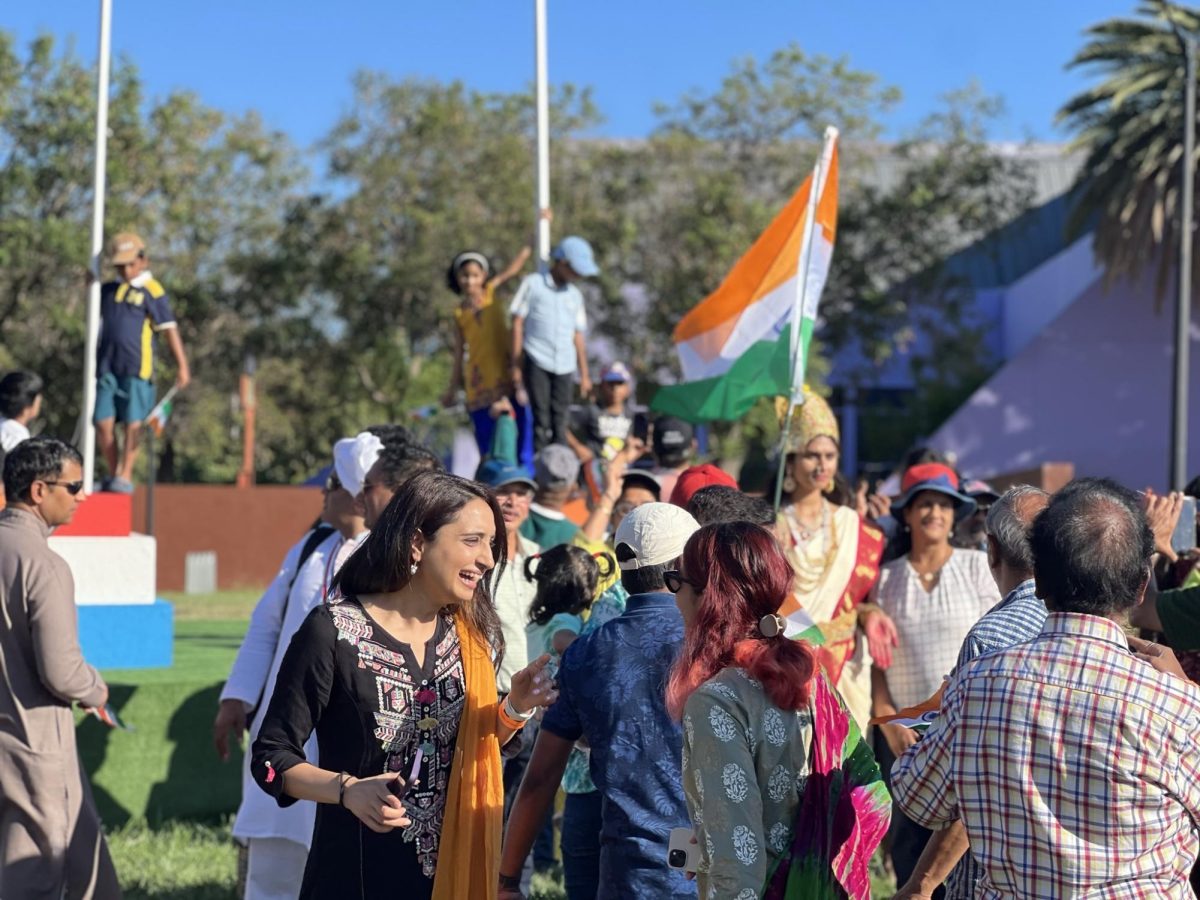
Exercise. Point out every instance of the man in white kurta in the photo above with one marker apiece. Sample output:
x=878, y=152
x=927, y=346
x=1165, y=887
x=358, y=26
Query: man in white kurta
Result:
x=278, y=839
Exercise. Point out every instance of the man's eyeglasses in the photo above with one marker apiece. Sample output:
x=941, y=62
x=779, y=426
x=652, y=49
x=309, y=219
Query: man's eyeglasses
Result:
x=674, y=581
x=73, y=487
x=332, y=483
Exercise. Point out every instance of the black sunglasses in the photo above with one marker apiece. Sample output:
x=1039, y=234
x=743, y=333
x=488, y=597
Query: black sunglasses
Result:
x=674, y=581
x=73, y=487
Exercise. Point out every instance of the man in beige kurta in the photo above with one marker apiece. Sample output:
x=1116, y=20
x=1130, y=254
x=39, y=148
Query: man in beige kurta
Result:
x=51, y=844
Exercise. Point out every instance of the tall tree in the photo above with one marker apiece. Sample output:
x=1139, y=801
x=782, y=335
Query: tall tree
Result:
x=207, y=191
x=1131, y=125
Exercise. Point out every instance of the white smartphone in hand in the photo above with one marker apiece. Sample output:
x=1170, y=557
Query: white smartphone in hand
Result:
x=683, y=852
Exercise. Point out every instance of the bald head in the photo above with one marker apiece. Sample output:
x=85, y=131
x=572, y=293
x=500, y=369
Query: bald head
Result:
x=1091, y=549
x=1009, y=523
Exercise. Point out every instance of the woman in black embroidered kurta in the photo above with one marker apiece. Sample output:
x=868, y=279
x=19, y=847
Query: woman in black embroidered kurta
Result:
x=373, y=702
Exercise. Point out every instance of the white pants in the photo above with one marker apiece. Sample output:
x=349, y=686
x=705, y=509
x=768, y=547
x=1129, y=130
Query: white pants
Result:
x=275, y=869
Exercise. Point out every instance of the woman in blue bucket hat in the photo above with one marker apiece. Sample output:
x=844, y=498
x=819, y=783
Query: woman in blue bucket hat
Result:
x=934, y=593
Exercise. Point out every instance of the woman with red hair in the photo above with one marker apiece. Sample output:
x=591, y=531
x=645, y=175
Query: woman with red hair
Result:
x=778, y=780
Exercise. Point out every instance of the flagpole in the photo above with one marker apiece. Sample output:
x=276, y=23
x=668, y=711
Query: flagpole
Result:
x=543, y=133
x=92, y=338
x=798, y=365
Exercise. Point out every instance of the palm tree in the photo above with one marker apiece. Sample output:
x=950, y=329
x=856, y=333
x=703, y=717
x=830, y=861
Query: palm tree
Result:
x=1131, y=125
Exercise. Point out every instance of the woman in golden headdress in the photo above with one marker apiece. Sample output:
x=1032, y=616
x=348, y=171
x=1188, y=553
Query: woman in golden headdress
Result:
x=836, y=556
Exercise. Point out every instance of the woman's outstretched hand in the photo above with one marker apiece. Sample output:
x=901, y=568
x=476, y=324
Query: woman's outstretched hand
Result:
x=532, y=686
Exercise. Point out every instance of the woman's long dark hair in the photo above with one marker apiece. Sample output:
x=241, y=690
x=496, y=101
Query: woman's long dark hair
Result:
x=741, y=575
x=567, y=577
x=425, y=503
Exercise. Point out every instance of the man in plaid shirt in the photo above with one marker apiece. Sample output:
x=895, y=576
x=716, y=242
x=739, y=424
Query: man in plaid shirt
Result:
x=1017, y=618
x=1071, y=760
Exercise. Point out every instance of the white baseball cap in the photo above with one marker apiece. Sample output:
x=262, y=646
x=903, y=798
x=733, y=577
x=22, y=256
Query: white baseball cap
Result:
x=656, y=534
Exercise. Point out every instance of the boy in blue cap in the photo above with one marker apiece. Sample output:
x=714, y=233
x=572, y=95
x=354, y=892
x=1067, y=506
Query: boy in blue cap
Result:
x=548, y=326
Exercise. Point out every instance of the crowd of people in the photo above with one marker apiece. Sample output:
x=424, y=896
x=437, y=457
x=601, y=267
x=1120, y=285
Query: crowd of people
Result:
x=602, y=653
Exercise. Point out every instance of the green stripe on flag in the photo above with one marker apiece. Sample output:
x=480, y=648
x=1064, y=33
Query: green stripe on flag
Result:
x=764, y=370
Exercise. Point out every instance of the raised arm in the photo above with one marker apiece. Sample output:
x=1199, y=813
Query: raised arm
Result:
x=513, y=268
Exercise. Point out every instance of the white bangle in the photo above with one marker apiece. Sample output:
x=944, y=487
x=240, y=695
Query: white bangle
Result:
x=512, y=712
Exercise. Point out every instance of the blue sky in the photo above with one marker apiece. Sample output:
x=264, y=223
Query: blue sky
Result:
x=292, y=61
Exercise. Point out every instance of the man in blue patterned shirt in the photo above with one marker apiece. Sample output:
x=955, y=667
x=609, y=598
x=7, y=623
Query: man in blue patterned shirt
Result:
x=612, y=686
x=1014, y=620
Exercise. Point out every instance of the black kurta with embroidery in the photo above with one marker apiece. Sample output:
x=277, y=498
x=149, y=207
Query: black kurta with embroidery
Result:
x=372, y=707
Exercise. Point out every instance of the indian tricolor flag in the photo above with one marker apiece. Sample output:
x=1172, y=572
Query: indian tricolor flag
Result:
x=750, y=337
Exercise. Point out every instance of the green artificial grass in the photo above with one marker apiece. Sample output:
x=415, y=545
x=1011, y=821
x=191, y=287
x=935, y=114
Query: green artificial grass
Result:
x=167, y=768
x=178, y=861
x=222, y=605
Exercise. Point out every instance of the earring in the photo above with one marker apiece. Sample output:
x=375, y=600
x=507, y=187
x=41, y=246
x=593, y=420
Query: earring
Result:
x=412, y=570
x=829, y=487
x=789, y=484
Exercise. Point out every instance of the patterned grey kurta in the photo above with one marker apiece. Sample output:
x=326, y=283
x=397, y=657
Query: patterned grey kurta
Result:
x=51, y=844
x=745, y=764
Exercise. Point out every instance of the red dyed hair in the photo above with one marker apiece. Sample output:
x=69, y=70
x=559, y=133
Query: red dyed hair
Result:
x=741, y=576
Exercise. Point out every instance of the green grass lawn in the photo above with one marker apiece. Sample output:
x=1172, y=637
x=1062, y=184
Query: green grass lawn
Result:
x=162, y=792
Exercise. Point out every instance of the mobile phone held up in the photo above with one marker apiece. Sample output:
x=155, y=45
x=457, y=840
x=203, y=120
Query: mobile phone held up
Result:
x=683, y=852
x=641, y=427
x=1184, y=537
x=401, y=791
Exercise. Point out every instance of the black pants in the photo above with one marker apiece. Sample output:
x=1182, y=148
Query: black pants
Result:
x=550, y=400
x=906, y=838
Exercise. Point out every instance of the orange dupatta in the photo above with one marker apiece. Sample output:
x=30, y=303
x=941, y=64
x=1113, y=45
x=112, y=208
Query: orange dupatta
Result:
x=469, y=851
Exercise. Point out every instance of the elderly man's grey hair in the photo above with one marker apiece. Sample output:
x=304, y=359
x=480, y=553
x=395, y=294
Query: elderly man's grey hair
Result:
x=1009, y=522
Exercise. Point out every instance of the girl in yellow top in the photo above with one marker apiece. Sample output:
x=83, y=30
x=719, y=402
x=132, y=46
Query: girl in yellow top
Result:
x=481, y=349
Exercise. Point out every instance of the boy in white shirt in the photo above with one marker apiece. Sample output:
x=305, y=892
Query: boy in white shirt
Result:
x=20, y=404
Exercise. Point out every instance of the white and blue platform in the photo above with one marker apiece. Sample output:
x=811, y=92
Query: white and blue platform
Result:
x=123, y=624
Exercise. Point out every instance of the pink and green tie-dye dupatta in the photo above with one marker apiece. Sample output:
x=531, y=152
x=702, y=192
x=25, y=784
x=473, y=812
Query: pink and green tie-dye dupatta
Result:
x=843, y=814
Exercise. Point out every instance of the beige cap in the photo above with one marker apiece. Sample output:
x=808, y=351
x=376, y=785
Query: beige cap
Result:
x=126, y=247
x=656, y=533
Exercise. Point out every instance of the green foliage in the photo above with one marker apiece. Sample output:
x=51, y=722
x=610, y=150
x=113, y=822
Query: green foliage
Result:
x=332, y=278
x=1131, y=124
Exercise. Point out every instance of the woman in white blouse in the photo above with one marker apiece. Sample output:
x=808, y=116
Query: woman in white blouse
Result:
x=934, y=593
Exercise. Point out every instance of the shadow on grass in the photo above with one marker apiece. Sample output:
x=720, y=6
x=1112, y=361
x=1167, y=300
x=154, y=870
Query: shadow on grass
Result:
x=198, y=785
x=92, y=738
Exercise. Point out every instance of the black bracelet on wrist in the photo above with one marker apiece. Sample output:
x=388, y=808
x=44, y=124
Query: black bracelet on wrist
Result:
x=510, y=882
x=342, y=777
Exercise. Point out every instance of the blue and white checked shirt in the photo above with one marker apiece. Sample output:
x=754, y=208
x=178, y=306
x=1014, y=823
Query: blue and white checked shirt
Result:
x=1014, y=620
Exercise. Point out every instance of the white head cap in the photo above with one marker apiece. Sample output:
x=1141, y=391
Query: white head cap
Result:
x=353, y=458
x=656, y=533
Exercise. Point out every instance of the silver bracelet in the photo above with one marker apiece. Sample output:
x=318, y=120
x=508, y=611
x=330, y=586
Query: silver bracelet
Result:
x=511, y=711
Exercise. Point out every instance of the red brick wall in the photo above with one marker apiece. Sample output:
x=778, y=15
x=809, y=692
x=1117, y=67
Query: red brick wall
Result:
x=249, y=528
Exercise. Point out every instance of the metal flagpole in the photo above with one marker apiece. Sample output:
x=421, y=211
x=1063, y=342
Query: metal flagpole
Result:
x=543, y=133
x=797, y=344
x=1183, y=307
x=103, y=63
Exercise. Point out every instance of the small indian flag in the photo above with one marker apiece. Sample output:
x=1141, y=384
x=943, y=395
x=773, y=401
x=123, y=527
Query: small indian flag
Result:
x=157, y=417
x=750, y=337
